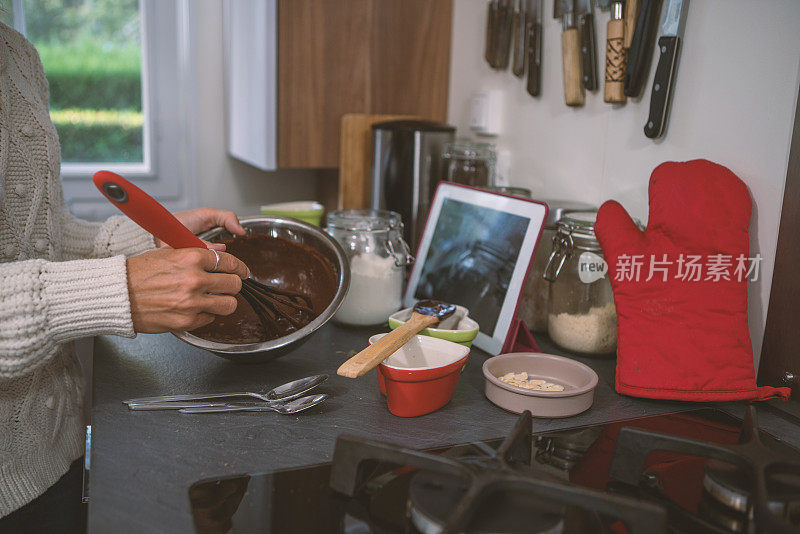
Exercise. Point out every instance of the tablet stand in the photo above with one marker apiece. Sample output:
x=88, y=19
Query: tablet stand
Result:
x=519, y=338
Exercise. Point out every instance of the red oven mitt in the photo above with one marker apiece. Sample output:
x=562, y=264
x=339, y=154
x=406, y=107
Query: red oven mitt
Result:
x=682, y=334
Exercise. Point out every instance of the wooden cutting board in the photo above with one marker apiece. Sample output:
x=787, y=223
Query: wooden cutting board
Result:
x=355, y=157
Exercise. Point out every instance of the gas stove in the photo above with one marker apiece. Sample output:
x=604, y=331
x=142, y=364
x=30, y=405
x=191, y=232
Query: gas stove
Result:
x=697, y=471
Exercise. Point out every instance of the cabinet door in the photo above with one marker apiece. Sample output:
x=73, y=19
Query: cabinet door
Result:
x=251, y=80
x=387, y=57
x=779, y=354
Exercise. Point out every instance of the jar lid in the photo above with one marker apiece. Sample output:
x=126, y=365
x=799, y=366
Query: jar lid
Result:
x=364, y=220
x=557, y=209
x=466, y=149
x=511, y=190
x=581, y=224
x=579, y=221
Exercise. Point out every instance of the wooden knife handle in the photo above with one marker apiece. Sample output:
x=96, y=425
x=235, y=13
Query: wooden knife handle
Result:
x=373, y=355
x=614, y=92
x=574, y=93
x=631, y=14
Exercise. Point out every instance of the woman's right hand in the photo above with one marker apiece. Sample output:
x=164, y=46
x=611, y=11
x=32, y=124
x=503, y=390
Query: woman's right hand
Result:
x=173, y=289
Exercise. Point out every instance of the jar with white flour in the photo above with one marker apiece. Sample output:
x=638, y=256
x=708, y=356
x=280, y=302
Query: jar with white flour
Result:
x=373, y=242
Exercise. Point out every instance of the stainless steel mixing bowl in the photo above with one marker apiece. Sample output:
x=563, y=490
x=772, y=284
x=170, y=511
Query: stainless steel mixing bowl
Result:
x=299, y=232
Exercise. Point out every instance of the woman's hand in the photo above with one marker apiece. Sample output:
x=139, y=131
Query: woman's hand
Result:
x=175, y=290
x=201, y=219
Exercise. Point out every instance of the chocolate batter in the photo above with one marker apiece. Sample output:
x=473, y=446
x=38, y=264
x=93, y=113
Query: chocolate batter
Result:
x=284, y=265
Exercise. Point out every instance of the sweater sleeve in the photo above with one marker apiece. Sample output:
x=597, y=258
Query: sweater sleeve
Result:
x=117, y=235
x=43, y=304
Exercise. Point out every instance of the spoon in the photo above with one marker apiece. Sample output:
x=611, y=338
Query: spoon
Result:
x=297, y=405
x=285, y=392
x=426, y=313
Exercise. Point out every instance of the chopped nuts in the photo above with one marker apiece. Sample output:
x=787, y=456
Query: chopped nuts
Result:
x=521, y=380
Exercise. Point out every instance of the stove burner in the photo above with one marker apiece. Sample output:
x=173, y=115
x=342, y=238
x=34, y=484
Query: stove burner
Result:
x=726, y=483
x=564, y=450
x=431, y=496
x=477, y=486
x=729, y=485
x=732, y=470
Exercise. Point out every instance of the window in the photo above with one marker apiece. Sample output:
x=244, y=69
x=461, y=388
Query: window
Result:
x=115, y=73
x=92, y=54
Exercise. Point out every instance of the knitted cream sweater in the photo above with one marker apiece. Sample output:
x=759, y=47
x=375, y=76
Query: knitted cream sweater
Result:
x=60, y=279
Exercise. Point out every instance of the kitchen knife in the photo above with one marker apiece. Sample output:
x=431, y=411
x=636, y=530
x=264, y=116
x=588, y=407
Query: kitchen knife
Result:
x=669, y=43
x=491, y=31
x=574, y=93
x=503, y=30
x=614, y=92
x=632, y=8
x=533, y=24
x=588, y=43
x=641, y=49
x=519, y=47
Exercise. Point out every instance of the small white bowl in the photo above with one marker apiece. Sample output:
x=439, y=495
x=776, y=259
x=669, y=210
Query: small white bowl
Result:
x=423, y=352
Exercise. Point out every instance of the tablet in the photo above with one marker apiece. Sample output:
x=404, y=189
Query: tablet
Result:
x=476, y=251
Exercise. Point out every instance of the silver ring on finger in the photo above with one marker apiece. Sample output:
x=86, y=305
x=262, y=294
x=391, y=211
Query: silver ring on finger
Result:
x=216, y=261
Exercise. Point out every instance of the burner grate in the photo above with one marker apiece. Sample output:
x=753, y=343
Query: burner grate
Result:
x=509, y=469
x=757, y=462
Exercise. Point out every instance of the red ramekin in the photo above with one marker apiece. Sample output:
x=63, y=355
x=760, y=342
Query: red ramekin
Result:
x=421, y=377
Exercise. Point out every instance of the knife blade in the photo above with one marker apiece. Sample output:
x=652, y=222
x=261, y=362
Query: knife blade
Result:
x=574, y=92
x=519, y=48
x=533, y=25
x=503, y=30
x=669, y=44
x=588, y=43
x=641, y=49
x=614, y=90
x=491, y=26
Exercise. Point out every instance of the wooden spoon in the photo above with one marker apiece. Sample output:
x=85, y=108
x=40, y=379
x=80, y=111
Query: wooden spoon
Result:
x=427, y=313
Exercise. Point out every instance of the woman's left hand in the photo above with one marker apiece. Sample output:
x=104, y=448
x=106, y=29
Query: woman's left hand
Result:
x=201, y=219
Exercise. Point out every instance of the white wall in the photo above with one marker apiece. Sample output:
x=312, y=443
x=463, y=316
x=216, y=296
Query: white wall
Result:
x=220, y=180
x=733, y=103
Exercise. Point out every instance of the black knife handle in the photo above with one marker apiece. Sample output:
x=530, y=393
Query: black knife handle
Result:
x=644, y=38
x=491, y=29
x=662, y=86
x=534, y=40
x=588, y=52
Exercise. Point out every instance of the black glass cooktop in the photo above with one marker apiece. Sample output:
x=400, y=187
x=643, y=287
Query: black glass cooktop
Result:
x=694, y=471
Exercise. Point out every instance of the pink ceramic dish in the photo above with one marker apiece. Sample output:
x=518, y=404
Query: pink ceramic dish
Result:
x=579, y=383
x=421, y=376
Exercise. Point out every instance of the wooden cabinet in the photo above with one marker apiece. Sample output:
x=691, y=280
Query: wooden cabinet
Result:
x=355, y=56
x=780, y=357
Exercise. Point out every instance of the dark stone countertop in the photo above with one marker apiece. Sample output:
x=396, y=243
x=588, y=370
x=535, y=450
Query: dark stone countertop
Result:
x=142, y=463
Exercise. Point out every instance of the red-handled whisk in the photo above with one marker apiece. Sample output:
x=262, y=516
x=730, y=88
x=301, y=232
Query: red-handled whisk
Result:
x=279, y=311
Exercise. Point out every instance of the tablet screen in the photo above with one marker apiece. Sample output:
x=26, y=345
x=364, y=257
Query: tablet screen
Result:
x=471, y=259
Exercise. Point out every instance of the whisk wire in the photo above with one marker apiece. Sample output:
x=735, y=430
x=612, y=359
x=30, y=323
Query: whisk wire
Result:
x=267, y=302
